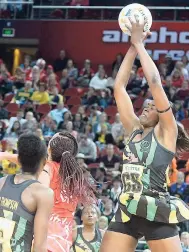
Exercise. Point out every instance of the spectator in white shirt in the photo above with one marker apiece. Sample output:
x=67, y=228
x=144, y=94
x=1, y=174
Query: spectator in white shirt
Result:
x=87, y=147
x=180, y=66
x=19, y=118
x=99, y=81
x=57, y=114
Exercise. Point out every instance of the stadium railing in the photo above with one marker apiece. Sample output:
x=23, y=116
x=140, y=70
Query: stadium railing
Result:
x=70, y=12
x=13, y=7
x=90, y=12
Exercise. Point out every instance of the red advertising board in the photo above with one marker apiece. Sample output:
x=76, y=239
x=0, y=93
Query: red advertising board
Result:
x=101, y=41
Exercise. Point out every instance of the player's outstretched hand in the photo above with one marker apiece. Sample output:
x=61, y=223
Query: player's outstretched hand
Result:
x=137, y=34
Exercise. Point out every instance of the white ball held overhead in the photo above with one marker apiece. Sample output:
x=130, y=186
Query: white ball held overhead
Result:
x=129, y=11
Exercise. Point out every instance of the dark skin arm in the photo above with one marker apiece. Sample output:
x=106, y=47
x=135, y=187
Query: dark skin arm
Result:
x=166, y=129
x=45, y=200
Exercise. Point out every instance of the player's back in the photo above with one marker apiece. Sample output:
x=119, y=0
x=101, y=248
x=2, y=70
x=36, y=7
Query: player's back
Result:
x=16, y=221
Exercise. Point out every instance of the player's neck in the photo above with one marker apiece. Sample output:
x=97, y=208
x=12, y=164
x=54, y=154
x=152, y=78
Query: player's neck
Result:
x=89, y=228
x=27, y=175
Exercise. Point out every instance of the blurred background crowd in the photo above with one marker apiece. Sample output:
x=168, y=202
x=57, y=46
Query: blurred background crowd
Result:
x=46, y=99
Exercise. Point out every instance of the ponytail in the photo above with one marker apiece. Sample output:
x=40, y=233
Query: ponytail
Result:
x=182, y=139
x=73, y=181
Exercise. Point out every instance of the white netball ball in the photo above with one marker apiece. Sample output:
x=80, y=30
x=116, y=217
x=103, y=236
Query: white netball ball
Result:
x=138, y=10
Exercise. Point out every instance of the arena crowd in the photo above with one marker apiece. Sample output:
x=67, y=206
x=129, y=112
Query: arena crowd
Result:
x=46, y=99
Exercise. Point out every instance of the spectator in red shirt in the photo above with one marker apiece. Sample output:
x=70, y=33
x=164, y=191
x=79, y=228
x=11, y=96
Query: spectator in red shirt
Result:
x=177, y=79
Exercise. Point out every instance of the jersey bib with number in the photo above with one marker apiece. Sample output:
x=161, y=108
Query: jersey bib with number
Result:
x=145, y=180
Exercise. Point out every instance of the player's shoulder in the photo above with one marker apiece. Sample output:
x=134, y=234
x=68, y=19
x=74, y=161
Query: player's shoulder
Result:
x=42, y=191
x=2, y=181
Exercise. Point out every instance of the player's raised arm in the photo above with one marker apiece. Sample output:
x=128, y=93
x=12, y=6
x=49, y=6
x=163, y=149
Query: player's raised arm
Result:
x=167, y=121
x=123, y=101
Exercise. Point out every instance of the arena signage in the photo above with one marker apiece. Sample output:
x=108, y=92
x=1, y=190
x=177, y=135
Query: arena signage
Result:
x=100, y=41
x=163, y=36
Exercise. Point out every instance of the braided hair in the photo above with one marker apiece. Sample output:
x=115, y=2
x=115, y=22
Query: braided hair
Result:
x=64, y=149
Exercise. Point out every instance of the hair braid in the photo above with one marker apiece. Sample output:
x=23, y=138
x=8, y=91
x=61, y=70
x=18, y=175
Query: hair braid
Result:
x=64, y=148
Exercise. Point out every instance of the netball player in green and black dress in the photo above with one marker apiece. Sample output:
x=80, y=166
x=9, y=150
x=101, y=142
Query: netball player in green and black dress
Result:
x=145, y=207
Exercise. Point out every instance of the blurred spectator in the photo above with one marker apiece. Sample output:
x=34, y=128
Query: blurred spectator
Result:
x=19, y=78
x=30, y=125
x=110, y=161
x=26, y=65
x=180, y=67
x=179, y=111
x=88, y=131
x=34, y=77
x=9, y=167
x=24, y=94
x=49, y=127
x=87, y=147
x=19, y=118
x=90, y=97
x=82, y=112
x=72, y=72
x=108, y=210
x=180, y=189
x=52, y=83
x=168, y=86
x=99, y=81
x=177, y=79
x=69, y=128
x=78, y=123
x=103, y=137
x=6, y=84
x=41, y=63
x=41, y=96
x=111, y=80
x=101, y=120
x=3, y=112
x=117, y=63
x=85, y=74
x=67, y=116
x=185, y=241
x=39, y=133
x=61, y=62
x=94, y=114
x=55, y=97
x=116, y=191
x=104, y=98
x=14, y=133
x=64, y=82
x=169, y=63
x=134, y=82
x=58, y=113
x=117, y=129
x=103, y=223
